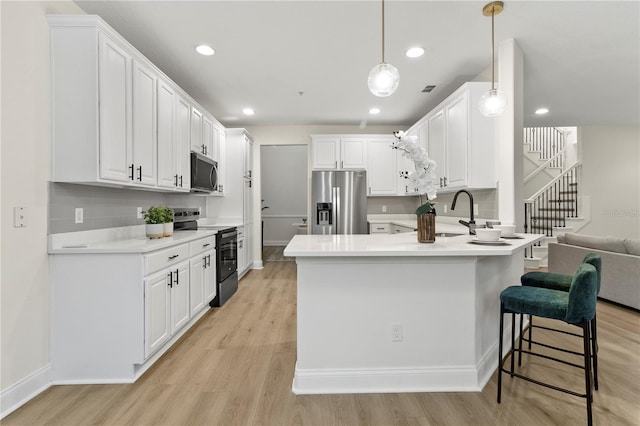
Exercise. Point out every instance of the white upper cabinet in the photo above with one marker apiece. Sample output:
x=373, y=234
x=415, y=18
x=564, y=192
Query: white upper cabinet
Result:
x=460, y=140
x=144, y=124
x=338, y=152
x=381, y=166
x=115, y=105
x=183, y=143
x=117, y=119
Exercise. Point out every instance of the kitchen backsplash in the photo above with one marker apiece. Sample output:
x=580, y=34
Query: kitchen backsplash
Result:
x=107, y=207
x=486, y=200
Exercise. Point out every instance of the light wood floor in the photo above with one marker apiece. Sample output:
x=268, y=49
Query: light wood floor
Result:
x=236, y=365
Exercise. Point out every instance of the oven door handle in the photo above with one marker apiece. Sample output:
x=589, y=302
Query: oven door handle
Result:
x=229, y=234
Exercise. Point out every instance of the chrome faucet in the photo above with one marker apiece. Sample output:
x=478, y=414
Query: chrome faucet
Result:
x=472, y=223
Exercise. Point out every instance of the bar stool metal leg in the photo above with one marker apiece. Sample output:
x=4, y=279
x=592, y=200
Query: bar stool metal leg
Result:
x=587, y=369
x=594, y=350
x=500, y=351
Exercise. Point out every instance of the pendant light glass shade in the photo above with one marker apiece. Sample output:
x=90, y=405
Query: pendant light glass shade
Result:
x=492, y=103
x=383, y=80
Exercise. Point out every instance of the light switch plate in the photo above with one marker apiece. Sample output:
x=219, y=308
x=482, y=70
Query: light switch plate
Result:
x=20, y=217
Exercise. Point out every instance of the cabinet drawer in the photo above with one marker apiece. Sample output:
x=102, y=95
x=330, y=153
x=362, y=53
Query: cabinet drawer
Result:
x=163, y=258
x=197, y=247
x=379, y=228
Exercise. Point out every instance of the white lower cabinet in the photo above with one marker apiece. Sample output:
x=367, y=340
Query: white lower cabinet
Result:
x=114, y=314
x=379, y=228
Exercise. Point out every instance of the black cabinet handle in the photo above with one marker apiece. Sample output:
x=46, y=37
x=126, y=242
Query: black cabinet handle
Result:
x=174, y=256
x=140, y=173
x=180, y=181
x=177, y=277
x=209, y=260
x=170, y=275
x=131, y=168
x=175, y=180
x=206, y=245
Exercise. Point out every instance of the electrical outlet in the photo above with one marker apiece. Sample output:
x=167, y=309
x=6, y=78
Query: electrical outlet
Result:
x=384, y=209
x=79, y=215
x=19, y=217
x=139, y=213
x=475, y=209
x=396, y=332
x=444, y=208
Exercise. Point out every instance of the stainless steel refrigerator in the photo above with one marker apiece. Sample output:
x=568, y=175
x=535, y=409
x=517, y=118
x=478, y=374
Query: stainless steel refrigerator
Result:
x=339, y=202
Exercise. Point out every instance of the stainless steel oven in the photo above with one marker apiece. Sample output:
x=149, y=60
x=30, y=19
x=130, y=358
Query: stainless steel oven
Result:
x=226, y=265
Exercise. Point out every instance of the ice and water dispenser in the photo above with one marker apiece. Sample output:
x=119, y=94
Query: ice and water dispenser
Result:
x=323, y=214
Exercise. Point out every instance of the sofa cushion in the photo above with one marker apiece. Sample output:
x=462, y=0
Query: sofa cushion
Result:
x=633, y=246
x=600, y=243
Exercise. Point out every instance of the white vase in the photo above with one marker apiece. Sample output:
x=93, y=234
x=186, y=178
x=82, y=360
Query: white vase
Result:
x=168, y=229
x=154, y=230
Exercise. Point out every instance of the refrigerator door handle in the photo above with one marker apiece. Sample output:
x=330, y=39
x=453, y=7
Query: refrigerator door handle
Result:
x=336, y=208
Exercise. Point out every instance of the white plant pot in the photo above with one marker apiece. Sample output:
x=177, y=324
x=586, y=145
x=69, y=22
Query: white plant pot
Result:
x=154, y=230
x=168, y=229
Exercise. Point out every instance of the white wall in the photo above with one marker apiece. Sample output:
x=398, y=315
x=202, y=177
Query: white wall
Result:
x=284, y=189
x=25, y=149
x=611, y=178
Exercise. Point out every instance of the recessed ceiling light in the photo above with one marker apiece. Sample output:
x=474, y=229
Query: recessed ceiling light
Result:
x=414, y=52
x=248, y=111
x=542, y=111
x=374, y=111
x=205, y=50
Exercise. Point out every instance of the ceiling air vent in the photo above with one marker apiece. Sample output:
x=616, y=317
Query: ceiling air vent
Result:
x=428, y=88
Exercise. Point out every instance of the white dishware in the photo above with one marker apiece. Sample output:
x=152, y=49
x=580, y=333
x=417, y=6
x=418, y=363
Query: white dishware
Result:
x=507, y=230
x=487, y=234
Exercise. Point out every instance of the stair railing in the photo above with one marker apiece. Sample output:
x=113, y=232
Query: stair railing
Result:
x=548, y=141
x=551, y=205
x=559, y=156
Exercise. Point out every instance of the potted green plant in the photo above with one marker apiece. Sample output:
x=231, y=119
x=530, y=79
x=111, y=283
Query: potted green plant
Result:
x=154, y=218
x=168, y=222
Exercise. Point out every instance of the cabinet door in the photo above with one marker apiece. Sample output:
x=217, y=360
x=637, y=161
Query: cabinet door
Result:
x=196, y=283
x=325, y=153
x=456, y=130
x=183, y=142
x=144, y=125
x=180, y=313
x=196, y=131
x=222, y=162
x=207, y=136
x=353, y=153
x=157, y=299
x=167, y=142
x=242, y=259
x=381, y=167
x=210, y=288
x=115, y=111
x=215, y=142
x=436, y=138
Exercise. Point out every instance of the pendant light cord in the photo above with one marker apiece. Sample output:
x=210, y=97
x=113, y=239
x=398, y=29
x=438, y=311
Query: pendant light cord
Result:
x=492, y=53
x=383, y=31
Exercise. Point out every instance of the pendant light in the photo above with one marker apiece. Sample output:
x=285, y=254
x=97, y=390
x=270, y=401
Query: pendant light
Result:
x=493, y=102
x=383, y=78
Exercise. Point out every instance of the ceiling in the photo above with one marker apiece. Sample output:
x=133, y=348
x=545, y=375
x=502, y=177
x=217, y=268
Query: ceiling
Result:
x=307, y=62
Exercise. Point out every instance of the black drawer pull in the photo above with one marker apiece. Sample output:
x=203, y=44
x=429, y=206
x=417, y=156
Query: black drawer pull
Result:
x=174, y=256
x=206, y=245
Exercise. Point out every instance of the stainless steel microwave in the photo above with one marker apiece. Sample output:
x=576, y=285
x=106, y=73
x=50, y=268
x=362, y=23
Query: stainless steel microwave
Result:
x=204, y=174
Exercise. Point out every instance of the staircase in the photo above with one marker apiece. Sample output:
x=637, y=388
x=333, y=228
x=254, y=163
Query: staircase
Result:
x=552, y=195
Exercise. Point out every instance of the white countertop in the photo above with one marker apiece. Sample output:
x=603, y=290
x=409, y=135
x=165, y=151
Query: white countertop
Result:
x=401, y=245
x=119, y=240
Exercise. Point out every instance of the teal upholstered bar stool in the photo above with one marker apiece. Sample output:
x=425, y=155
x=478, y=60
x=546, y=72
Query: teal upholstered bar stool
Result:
x=563, y=283
x=576, y=307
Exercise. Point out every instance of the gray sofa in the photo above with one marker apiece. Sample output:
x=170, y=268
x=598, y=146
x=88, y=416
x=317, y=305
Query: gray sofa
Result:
x=620, y=264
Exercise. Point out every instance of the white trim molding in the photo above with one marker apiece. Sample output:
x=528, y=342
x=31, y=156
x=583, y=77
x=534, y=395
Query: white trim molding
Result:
x=23, y=391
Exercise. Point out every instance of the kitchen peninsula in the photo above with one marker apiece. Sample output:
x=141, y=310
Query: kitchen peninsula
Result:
x=383, y=313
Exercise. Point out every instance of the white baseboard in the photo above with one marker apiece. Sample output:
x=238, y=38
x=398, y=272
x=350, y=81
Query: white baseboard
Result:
x=276, y=243
x=257, y=264
x=26, y=389
x=386, y=380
